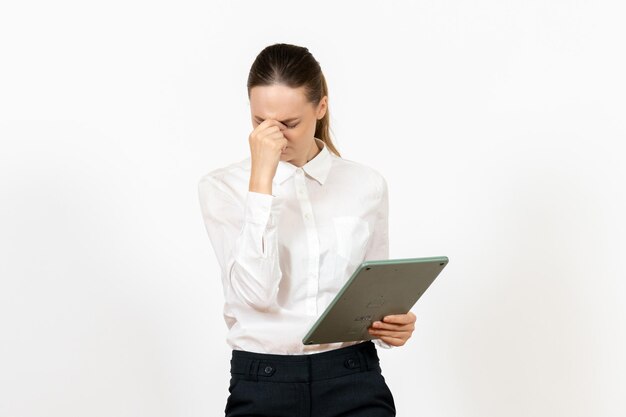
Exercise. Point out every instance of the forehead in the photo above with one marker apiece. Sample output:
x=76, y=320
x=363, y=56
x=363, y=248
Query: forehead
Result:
x=277, y=101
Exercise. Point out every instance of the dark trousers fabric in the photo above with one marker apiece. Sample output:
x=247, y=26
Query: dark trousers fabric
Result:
x=345, y=382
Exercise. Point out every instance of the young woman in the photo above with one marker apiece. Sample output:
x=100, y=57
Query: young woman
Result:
x=289, y=225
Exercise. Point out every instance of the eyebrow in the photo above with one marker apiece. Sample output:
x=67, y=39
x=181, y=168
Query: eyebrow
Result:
x=282, y=121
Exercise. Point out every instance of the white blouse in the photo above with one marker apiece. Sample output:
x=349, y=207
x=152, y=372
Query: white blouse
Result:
x=285, y=256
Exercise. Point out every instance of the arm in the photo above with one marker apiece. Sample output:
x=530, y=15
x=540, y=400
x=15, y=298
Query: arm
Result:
x=397, y=328
x=245, y=242
x=378, y=247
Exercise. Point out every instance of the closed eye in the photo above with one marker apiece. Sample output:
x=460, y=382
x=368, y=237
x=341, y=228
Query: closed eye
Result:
x=259, y=121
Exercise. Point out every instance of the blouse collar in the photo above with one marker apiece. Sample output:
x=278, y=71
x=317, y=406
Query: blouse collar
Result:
x=318, y=167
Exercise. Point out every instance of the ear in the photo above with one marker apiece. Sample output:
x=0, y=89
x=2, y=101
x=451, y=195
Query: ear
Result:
x=322, y=107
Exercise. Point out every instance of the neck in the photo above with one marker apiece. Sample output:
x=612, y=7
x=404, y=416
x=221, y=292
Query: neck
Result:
x=315, y=150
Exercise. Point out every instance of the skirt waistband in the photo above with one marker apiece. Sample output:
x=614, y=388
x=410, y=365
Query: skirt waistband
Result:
x=304, y=368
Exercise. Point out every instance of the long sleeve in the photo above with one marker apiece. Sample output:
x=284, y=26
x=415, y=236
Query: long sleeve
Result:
x=378, y=247
x=245, y=242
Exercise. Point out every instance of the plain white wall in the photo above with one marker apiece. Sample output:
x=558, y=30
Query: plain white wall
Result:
x=498, y=124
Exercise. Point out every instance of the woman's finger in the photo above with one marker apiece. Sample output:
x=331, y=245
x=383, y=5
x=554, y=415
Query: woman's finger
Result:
x=400, y=318
x=389, y=326
x=390, y=333
x=395, y=341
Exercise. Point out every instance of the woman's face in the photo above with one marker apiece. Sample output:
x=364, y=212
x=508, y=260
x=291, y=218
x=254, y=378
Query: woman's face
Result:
x=290, y=107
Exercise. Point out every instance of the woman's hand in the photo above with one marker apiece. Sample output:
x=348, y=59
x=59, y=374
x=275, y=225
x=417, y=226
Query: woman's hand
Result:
x=266, y=146
x=394, y=330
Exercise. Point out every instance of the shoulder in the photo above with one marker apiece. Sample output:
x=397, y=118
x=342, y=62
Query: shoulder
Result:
x=360, y=173
x=228, y=172
x=228, y=178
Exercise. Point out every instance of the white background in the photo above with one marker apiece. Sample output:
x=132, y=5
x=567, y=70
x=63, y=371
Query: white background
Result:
x=498, y=125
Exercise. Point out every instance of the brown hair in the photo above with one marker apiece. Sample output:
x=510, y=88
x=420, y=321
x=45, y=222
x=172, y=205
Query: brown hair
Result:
x=293, y=66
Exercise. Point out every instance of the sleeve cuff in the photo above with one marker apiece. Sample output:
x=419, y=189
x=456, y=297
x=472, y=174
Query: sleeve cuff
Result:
x=382, y=344
x=262, y=209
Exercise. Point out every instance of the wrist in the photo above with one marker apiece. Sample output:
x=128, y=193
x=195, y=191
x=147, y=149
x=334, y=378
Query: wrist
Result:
x=260, y=186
